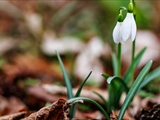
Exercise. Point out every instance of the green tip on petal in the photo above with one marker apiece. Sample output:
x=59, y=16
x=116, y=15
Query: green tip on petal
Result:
x=130, y=7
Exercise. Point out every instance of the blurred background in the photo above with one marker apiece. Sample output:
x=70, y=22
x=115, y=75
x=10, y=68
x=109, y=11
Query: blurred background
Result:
x=80, y=30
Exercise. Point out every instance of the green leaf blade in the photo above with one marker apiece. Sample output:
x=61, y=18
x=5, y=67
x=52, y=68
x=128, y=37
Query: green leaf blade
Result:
x=106, y=76
x=151, y=76
x=116, y=85
x=81, y=86
x=120, y=81
x=134, y=89
x=92, y=101
x=78, y=94
x=66, y=78
x=102, y=98
x=136, y=62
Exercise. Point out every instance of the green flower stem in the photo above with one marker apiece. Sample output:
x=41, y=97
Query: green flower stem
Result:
x=134, y=10
x=119, y=59
x=133, y=48
x=132, y=62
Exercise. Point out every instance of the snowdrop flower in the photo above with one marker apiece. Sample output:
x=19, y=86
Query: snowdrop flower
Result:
x=117, y=32
x=129, y=25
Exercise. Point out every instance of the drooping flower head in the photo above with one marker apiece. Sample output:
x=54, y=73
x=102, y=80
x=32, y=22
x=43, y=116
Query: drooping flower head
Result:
x=129, y=28
x=117, y=32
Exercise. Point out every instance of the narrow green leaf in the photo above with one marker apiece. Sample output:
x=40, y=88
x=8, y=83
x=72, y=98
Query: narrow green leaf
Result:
x=102, y=98
x=151, y=76
x=120, y=82
x=144, y=94
x=94, y=102
x=134, y=89
x=81, y=86
x=116, y=87
x=112, y=96
x=66, y=78
x=115, y=64
x=78, y=94
x=106, y=76
x=136, y=62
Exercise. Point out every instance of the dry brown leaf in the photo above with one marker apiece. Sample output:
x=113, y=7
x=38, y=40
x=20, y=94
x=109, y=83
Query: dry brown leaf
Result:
x=15, y=116
x=92, y=115
x=13, y=105
x=152, y=113
x=29, y=66
x=16, y=105
x=40, y=93
x=86, y=91
x=146, y=103
x=53, y=112
x=3, y=105
x=114, y=116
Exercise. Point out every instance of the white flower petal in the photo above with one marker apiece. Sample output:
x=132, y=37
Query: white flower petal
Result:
x=117, y=33
x=134, y=29
x=126, y=27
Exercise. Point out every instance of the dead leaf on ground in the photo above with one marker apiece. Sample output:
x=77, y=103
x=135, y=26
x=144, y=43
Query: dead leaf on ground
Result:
x=86, y=91
x=152, y=113
x=29, y=66
x=15, y=116
x=39, y=92
x=53, y=112
x=127, y=116
x=11, y=105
